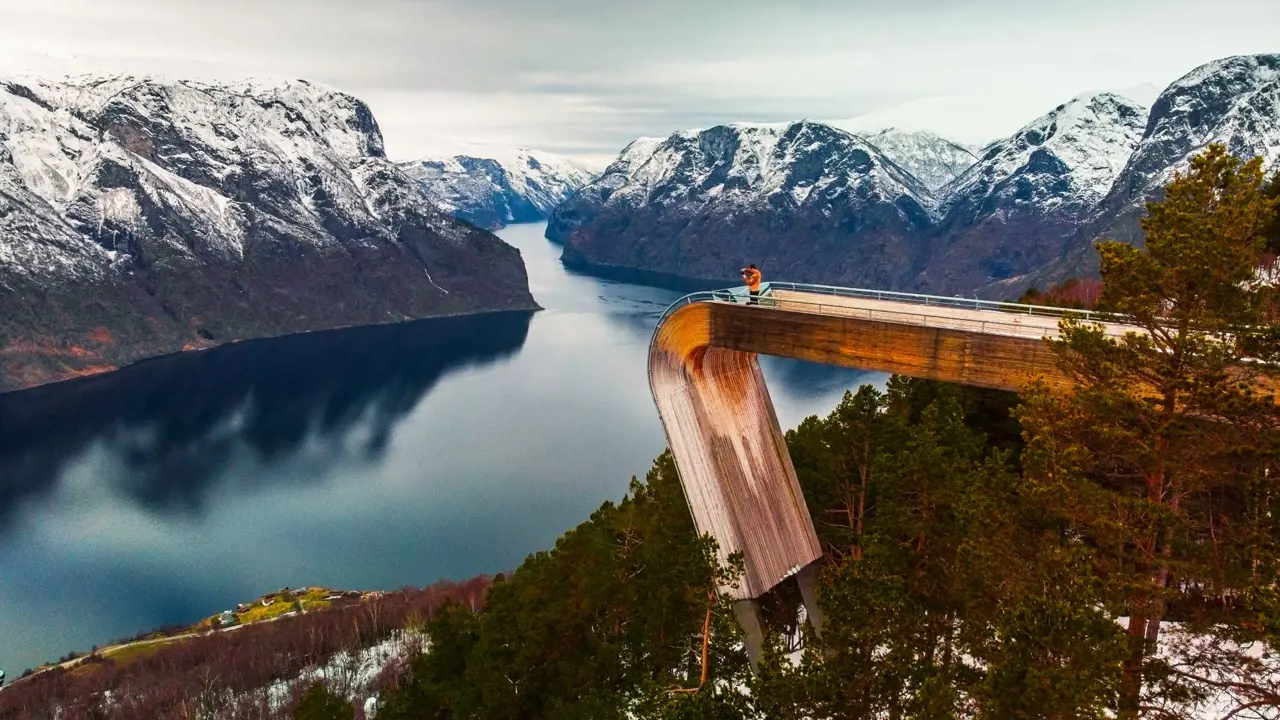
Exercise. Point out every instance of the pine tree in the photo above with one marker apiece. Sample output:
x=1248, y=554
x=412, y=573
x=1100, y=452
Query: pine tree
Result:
x=317, y=703
x=613, y=614
x=941, y=552
x=1272, y=233
x=1164, y=456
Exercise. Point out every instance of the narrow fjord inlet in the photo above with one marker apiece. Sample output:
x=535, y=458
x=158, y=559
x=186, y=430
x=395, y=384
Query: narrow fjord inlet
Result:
x=367, y=458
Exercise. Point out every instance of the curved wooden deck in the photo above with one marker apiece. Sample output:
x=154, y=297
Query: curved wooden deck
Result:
x=720, y=422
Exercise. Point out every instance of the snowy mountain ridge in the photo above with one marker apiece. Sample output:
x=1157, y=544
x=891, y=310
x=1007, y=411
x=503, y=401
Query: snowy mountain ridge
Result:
x=1085, y=142
x=497, y=186
x=1013, y=210
x=753, y=187
x=60, y=135
x=746, y=163
x=1234, y=101
x=931, y=158
x=995, y=212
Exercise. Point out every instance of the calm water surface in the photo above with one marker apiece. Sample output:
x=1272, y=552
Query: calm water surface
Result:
x=366, y=458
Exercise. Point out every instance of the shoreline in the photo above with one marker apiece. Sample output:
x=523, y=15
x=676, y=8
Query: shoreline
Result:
x=102, y=371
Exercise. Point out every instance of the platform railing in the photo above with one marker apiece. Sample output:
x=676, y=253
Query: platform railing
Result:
x=935, y=300
x=1001, y=318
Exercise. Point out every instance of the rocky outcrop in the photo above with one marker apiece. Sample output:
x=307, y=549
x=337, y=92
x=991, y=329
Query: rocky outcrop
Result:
x=140, y=217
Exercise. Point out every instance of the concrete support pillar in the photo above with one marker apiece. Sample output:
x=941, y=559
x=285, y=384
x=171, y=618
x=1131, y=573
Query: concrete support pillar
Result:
x=807, y=579
x=752, y=622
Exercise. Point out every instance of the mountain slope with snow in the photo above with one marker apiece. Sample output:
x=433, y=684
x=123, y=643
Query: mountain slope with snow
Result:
x=496, y=188
x=566, y=217
x=809, y=201
x=933, y=159
x=141, y=216
x=803, y=200
x=1234, y=101
x=1012, y=211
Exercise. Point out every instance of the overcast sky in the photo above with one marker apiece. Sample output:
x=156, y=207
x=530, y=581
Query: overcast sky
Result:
x=584, y=77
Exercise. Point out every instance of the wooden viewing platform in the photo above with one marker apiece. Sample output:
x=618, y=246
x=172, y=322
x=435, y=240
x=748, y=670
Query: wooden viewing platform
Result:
x=723, y=431
x=720, y=422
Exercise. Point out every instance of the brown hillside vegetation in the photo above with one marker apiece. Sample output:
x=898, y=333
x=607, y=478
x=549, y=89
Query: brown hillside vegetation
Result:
x=196, y=676
x=1082, y=293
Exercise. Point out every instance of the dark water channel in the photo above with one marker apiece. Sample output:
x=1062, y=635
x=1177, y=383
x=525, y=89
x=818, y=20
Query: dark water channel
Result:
x=365, y=458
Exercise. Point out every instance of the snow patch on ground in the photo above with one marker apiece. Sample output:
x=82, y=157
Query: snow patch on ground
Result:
x=119, y=206
x=353, y=675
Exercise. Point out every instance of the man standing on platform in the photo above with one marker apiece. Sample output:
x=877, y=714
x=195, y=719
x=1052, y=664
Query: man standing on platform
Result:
x=751, y=276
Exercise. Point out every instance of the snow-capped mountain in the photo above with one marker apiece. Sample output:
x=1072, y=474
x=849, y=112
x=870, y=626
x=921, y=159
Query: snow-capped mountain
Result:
x=933, y=159
x=803, y=200
x=1012, y=211
x=500, y=186
x=139, y=216
x=811, y=202
x=701, y=203
x=568, y=216
x=1234, y=101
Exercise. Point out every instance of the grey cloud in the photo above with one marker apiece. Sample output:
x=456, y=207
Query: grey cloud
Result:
x=586, y=76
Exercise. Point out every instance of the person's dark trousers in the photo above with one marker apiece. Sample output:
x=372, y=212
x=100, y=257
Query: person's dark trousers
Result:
x=755, y=297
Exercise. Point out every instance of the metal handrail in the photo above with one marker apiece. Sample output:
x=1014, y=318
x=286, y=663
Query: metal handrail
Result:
x=740, y=293
x=933, y=300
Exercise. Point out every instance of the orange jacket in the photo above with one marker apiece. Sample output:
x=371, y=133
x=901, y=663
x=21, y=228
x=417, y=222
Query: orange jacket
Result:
x=753, y=280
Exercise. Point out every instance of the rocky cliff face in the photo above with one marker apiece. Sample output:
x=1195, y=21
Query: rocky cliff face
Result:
x=501, y=187
x=804, y=201
x=140, y=217
x=1013, y=211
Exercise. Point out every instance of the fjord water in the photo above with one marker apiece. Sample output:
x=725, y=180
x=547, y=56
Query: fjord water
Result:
x=366, y=458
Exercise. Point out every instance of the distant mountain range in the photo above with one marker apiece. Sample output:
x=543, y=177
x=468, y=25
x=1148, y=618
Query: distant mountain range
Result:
x=913, y=211
x=496, y=187
x=141, y=216
x=1234, y=101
